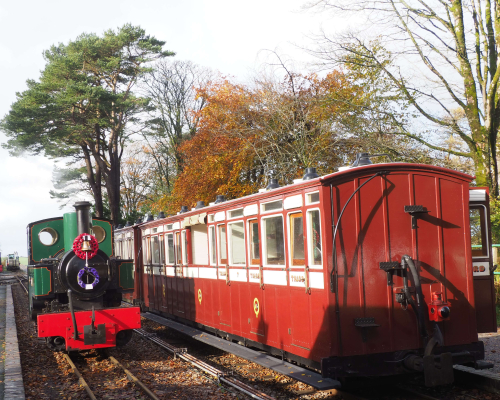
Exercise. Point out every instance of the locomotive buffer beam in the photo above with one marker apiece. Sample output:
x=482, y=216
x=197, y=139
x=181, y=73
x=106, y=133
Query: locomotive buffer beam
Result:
x=91, y=335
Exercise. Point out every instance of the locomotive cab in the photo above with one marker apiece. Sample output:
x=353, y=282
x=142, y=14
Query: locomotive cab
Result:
x=76, y=284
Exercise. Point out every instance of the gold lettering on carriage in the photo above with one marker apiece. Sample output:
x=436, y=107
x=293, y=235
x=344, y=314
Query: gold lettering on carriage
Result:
x=298, y=278
x=254, y=275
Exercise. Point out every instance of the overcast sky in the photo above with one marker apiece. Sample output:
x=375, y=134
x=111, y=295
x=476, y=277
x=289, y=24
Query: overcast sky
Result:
x=226, y=35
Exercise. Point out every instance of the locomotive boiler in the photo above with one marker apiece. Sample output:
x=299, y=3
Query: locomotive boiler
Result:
x=76, y=283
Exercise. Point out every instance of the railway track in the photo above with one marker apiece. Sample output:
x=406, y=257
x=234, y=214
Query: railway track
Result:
x=20, y=280
x=209, y=369
x=114, y=361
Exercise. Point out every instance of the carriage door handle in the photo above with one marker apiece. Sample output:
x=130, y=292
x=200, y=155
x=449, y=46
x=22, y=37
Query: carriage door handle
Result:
x=306, y=274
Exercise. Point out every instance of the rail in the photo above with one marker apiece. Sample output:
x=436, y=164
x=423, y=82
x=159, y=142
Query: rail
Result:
x=22, y=284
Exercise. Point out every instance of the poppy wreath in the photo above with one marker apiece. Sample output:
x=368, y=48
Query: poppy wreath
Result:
x=77, y=247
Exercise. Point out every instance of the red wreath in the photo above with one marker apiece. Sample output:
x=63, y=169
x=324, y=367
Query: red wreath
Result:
x=77, y=247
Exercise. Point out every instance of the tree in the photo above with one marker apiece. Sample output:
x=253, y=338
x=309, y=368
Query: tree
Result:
x=439, y=56
x=171, y=86
x=276, y=128
x=140, y=181
x=84, y=106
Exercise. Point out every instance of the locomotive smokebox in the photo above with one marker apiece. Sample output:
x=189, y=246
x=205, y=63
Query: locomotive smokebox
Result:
x=82, y=216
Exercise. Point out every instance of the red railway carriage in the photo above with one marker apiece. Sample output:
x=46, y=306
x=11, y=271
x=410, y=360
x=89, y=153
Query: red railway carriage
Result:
x=364, y=272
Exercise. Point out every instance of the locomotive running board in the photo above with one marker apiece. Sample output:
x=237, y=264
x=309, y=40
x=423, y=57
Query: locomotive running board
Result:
x=293, y=371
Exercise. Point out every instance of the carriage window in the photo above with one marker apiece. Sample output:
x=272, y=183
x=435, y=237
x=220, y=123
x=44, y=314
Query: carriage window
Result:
x=254, y=242
x=272, y=206
x=184, y=248
x=236, y=213
x=312, y=198
x=170, y=249
x=162, y=251
x=170, y=227
x=213, y=259
x=222, y=244
x=145, y=252
x=274, y=241
x=478, y=232
x=124, y=249
x=199, y=244
x=155, y=250
x=314, y=237
x=211, y=218
x=297, y=239
x=237, y=242
x=118, y=249
x=178, y=248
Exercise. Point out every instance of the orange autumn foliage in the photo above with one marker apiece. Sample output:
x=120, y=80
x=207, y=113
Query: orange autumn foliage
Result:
x=275, y=128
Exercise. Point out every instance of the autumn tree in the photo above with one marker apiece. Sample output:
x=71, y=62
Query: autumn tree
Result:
x=84, y=105
x=274, y=128
x=440, y=56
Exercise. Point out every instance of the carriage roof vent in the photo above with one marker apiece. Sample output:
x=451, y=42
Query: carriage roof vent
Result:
x=273, y=184
x=220, y=199
x=184, y=209
x=310, y=174
x=139, y=221
x=150, y=218
x=199, y=204
x=364, y=159
x=119, y=226
x=128, y=224
x=161, y=215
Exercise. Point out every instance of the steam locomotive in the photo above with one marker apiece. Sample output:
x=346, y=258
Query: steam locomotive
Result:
x=76, y=284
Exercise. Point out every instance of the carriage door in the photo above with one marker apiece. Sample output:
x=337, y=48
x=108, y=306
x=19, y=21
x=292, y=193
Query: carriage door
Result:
x=155, y=272
x=482, y=260
x=146, y=259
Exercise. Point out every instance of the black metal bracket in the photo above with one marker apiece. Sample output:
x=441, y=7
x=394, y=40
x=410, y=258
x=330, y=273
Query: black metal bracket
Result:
x=94, y=336
x=364, y=323
x=390, y=267
x=438, y=370
x=415, y=212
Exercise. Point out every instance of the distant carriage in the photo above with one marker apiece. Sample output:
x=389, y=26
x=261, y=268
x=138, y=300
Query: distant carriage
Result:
x=12, y=262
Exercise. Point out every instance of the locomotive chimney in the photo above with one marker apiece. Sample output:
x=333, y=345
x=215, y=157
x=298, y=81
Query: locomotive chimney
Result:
x=82, y=216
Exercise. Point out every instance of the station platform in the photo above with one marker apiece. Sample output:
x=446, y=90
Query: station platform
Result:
x=11, y=378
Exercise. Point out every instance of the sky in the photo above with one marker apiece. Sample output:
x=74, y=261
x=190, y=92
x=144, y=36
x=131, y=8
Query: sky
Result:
x=229, y=36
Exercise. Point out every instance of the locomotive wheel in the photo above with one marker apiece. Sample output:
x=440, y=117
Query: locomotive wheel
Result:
x=56, y=343
x=123, y=337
